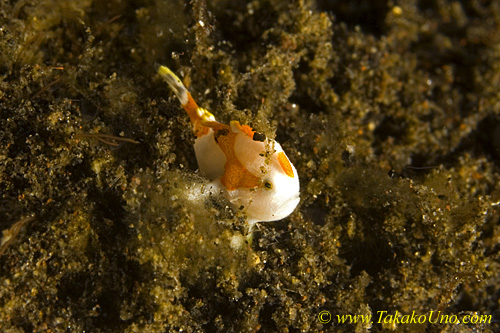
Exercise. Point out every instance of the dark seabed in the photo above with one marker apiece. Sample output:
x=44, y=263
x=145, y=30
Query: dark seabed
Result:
x=390, y=111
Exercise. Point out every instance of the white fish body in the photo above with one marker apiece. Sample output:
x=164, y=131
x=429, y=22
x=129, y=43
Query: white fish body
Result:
x=252, y=171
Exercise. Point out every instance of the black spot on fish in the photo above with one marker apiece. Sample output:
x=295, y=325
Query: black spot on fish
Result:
x=219, y=133
x=259, y=137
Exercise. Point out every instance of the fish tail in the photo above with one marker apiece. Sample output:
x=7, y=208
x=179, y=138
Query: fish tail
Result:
x=175, y=84
x=200, y=118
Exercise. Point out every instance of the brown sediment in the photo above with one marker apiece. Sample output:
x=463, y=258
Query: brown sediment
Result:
x=388, y=110
x=108, y=139
x=10, y=234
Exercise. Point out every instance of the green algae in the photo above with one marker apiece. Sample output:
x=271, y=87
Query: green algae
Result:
x=389, y=111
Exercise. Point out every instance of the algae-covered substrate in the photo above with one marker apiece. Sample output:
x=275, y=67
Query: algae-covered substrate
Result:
x=390, y=111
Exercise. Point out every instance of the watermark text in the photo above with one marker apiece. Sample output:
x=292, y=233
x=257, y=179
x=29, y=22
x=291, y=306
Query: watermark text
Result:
x=384, y=317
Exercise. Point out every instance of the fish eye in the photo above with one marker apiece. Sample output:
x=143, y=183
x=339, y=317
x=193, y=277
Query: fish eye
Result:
x=268, y=185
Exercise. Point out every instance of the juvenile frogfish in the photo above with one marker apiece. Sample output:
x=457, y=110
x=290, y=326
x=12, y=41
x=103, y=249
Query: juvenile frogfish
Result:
x=251, y=170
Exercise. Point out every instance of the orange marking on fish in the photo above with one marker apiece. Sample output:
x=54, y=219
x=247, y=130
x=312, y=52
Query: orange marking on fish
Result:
x=285, y=164
x=244, y=128
x=235, y=174
x=191, y=109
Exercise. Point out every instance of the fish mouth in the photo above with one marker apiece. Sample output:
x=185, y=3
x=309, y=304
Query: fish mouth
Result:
x=292, y=203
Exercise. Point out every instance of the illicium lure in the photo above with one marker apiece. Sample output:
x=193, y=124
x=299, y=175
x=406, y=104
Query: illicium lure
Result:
x=252, y=171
